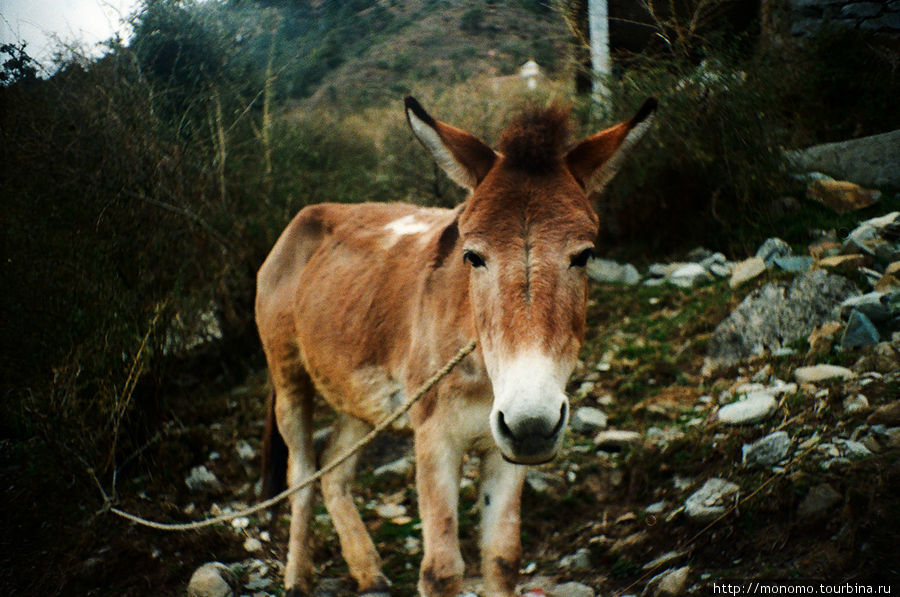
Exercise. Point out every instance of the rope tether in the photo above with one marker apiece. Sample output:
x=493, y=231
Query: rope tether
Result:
x=190, y=526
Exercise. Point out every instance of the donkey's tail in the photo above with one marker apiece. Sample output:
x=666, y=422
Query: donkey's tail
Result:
x=274, y=454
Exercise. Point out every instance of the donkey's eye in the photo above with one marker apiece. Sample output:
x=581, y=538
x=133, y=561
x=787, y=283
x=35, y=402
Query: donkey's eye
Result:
x=581, y=259
x=474, y=259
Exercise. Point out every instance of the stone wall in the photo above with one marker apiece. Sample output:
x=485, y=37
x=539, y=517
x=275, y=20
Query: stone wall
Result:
x=808, y=16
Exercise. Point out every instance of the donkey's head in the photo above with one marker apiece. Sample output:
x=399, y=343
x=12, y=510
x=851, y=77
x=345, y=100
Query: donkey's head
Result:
x=526, y=233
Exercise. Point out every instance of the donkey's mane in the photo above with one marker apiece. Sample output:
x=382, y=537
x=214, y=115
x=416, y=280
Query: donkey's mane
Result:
x=536, y=137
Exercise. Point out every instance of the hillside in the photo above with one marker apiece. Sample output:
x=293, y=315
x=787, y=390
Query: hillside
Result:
x=441, y=44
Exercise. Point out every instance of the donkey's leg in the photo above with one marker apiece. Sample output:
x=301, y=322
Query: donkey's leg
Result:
x=294, y=414
x=356, y=544
x=437, y=481
x=501, y=547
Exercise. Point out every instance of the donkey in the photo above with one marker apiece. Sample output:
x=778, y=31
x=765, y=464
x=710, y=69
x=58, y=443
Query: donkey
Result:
x=360, y=303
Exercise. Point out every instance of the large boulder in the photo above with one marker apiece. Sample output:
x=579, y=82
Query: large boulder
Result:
x=778, y=313
x=870, y=161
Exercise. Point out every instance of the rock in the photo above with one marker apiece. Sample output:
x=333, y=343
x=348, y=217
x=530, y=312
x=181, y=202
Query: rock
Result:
x=616, y=439
x=887, y=415
x=667, y=558
x=630, y=543
x=607, y=271
x=872, y=161
x=855, y=403
x=852, y=449
x=412, y=545
x=778, y=313
x=860, y=331
x=847, y=263
x=876, y=306
x=662, y=270
x=817, y=503
x=252, y=544
x=821, y=340
x=540, y=481
x=245, y=451
x=710, y=501
x=746, y=270
x=772, y=249
x=580, y=560
x=766, y=451
x=390, y=511
x=670, y=583
x=202, y=479
x=688, y=275
x=817, y=373
x=794, y=263
x=720, y=270
x=401, y=467
x=757, y=406
x=841, y=195
x=213, y=579
x=572, y=589
x=885, y=227
x=587, y=419
x=656, y=507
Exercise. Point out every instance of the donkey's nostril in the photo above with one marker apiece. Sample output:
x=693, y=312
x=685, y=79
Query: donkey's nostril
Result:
x=562, y=420
x=504, y=428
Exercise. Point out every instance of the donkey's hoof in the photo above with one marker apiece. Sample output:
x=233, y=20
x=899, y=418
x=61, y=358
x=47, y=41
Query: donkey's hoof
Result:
x=295, y=592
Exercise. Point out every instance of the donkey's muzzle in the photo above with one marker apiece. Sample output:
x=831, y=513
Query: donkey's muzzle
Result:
x=531, y=439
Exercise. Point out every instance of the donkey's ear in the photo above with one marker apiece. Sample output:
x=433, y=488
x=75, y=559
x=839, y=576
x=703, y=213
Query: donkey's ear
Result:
x=597, y=159
x=464, y=158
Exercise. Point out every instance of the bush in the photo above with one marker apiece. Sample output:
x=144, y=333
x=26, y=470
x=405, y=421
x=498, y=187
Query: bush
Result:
x=142, y=193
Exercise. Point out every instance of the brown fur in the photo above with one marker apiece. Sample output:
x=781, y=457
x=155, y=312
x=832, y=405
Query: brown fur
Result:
x=536, y=139
x=360, y=303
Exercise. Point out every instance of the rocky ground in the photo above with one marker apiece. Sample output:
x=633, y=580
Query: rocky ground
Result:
x=730, y=420
x=726, y=425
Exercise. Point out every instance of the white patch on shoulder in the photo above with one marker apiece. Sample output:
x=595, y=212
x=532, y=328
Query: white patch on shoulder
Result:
x=407, y=225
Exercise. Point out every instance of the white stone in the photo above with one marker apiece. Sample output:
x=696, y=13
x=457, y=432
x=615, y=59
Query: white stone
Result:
x=852, y=449
x=821, y=372
x=855, y=403
x=211, y=580
x=587, y=419
x=616, y=438
x=688, y=275
x=252, y=544
x=607, y=271
x=766, y=451
x=670, y=583
x=580, y=560
x=710, y=501
x=667, y=558
x=400, y=467
x=656, y=507
x=390, y=511
x=746, y=270
x=202, y=479
x=245, y=451
x=757, y=406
